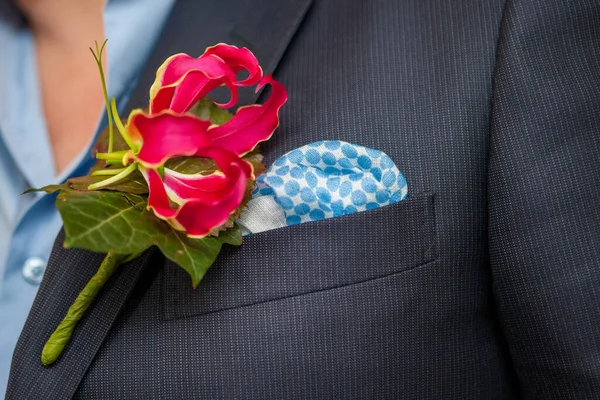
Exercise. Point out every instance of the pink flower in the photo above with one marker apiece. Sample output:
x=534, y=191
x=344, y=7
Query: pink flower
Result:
x=197, y=204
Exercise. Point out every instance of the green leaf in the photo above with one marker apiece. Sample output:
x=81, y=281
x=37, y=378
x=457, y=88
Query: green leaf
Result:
x=134, y=183
x=48, y=189
x=207, y=110
x=119, y=223
x=106, y=222
x=192, y=165
x=195, y=256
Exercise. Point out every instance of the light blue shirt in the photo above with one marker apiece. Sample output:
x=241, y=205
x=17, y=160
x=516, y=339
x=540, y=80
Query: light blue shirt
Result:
x=29, y=223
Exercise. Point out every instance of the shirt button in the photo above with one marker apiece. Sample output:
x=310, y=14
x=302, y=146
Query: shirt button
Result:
x=33, y=270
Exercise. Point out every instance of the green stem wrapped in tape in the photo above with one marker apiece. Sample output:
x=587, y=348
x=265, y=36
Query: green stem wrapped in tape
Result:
x=59, y=339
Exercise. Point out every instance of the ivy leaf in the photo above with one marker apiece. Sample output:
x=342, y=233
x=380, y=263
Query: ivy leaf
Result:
x=134, y=183
x=119, y=223
x=106, y=222
x=192, y=165
x=195, y=256
x=48, y=189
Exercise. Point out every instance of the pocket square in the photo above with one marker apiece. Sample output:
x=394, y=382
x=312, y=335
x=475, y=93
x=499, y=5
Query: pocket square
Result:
x=322, y=180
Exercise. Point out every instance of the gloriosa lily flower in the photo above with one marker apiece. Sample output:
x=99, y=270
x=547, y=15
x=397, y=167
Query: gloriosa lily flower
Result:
x=197, y=204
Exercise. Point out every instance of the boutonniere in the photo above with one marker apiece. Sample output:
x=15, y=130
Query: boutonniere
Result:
x=175, y=176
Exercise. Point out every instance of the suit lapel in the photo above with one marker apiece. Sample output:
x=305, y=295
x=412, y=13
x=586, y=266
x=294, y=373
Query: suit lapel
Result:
x=265, y=27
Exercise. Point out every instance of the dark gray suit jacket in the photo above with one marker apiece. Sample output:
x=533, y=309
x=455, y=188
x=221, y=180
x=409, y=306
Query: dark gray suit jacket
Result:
x=484, y=284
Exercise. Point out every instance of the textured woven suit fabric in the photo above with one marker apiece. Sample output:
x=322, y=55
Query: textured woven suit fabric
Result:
x=483, y=284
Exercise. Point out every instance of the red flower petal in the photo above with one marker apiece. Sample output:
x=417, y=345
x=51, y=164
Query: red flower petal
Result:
x=199, y=219
x=183, y=188
x=251, y=124
x=158, y=200
x=208, y=189
x=239, y=60
x=167, y=135
x=183, y=80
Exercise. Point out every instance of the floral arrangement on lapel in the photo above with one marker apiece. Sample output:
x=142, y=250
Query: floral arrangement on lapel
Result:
x=177, y=176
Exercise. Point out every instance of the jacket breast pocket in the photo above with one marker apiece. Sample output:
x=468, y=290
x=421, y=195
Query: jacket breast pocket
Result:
x=307, y=258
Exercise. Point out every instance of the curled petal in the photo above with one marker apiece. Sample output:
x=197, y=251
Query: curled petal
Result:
x=183, y=188
x=205, y=201
x=208, y=189
x=158, y=200
x=199, y=219
x=183, y=80
x=167, y=135
x=238, y=60
x=252, y=124
x=208, y=210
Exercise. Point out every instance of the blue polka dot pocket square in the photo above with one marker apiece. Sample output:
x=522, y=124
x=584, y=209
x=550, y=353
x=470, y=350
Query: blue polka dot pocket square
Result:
x=322, y=180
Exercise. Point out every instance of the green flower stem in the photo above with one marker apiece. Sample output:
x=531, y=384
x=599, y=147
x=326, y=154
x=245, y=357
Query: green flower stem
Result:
x=114, y=162
x=59, y=339
x=115, y=178
x=98, y=58
x=112, y=156
x=120, y=126
x=108, y=172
